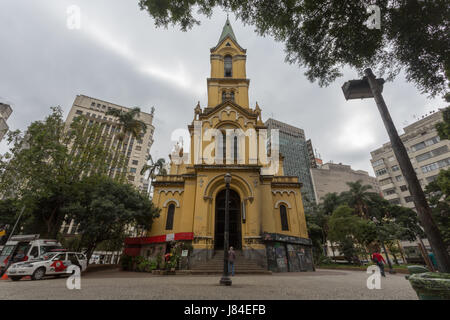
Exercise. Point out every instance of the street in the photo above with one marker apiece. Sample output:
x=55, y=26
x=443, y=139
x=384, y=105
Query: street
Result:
x=115, y=284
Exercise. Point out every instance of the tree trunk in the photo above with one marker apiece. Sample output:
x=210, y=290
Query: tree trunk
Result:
x=420, y=201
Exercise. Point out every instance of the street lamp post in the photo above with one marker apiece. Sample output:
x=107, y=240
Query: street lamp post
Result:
x=225, y=280
x=369, y=87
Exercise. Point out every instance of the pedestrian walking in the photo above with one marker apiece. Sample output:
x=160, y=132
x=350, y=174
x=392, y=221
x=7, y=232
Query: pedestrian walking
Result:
x=379, y=260
x=231, y=259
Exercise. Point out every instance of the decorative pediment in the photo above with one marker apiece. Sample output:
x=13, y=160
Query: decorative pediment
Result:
x=228, y=106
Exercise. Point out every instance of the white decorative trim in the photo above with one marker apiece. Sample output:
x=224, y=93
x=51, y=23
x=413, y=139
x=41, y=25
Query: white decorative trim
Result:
x=173, y=190
x=282, y=201
x=281, y=191
x=171, y=200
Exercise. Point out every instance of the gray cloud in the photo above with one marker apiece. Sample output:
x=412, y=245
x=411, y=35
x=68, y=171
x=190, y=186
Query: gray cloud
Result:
x=119, y=56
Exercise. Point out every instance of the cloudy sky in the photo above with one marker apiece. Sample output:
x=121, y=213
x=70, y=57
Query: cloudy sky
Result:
x=118, y=55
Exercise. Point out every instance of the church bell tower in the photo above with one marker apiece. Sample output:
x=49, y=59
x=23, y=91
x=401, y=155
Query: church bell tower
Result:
x=228, y=79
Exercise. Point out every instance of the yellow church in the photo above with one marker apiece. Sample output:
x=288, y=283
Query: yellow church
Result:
x=266, y=216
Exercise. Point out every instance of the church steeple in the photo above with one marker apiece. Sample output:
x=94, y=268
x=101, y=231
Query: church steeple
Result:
x=228, y=79
x=227, y=31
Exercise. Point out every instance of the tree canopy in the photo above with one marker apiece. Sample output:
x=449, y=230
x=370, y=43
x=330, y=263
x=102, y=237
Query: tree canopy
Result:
x=325, y=35
x=105, y=209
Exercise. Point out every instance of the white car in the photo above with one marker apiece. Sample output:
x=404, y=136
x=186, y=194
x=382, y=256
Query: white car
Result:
x=50, y=264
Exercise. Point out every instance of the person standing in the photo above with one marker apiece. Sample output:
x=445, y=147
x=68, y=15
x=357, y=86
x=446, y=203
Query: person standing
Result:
x=231, y=259
x=379, y=260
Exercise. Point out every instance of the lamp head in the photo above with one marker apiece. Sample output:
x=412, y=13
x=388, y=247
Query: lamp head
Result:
x=227, y=178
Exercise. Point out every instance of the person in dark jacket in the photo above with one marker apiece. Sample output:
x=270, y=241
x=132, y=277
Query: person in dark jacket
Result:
x=231, y=259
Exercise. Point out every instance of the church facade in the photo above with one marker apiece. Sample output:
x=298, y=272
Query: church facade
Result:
x=266, y=215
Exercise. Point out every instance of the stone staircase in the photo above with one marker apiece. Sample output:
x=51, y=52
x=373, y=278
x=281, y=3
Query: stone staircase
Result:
x=241, y=265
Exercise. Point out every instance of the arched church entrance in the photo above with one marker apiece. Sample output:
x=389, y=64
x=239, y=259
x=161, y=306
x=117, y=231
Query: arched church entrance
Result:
x=235, y=237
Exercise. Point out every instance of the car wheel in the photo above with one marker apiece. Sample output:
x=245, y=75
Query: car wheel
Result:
x=15, y=278
x=38, y=274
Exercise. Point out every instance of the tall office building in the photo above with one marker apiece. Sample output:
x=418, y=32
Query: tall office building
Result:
x=294, y=149
x=136, y=149
x=428, y=156
x=5, y=112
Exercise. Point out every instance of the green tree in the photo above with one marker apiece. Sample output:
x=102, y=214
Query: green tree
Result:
x=325, y=35
x=358, y=197
x=128, y=121
x=104, y=209
x=44, y=162
x=330, y=202
x=443, y=128
x=9, y=209
x=154, y=168
x=350, y=232
x=438, y=194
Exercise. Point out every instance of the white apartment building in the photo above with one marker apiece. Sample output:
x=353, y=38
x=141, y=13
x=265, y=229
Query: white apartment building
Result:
x=136, y=149
x=428, y=156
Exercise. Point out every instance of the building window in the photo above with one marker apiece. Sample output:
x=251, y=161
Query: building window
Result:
x=399, y=178
x=403, y=188
x=381, y=172
x=395, y=168
x=431, y=178
x=228, y=66
x=170, y=214
x=432, y=153
x=389, y=192
x=224, y=96
x=284, y=219
x=394, y=201
x=138, y=148
x=435, y=165
x=408, y=199
x=79, y=112
x=426, y=143
x=232, y=95
x=135, y=162
x=377, y=163
x=385, y=181
x=133, y=170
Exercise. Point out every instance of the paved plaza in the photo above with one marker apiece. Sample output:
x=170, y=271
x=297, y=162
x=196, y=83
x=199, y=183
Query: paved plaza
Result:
x=115, y=284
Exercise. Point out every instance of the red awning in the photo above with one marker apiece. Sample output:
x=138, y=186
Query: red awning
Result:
x=159, y=239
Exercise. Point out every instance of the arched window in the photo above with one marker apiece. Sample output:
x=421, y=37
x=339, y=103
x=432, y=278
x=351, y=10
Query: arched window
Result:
x=170, y=214
x=284, y=218
x=232, y=95
x=224, y=96
x=228, y=66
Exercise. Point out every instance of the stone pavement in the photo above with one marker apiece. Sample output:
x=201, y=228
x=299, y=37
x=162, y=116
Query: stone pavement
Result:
x=115, y=284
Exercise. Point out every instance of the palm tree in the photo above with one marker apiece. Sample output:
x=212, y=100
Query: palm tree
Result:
x=154, y=168
x=128, y=121
x=131, y=126
x=359, y=197
x=330, y=202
